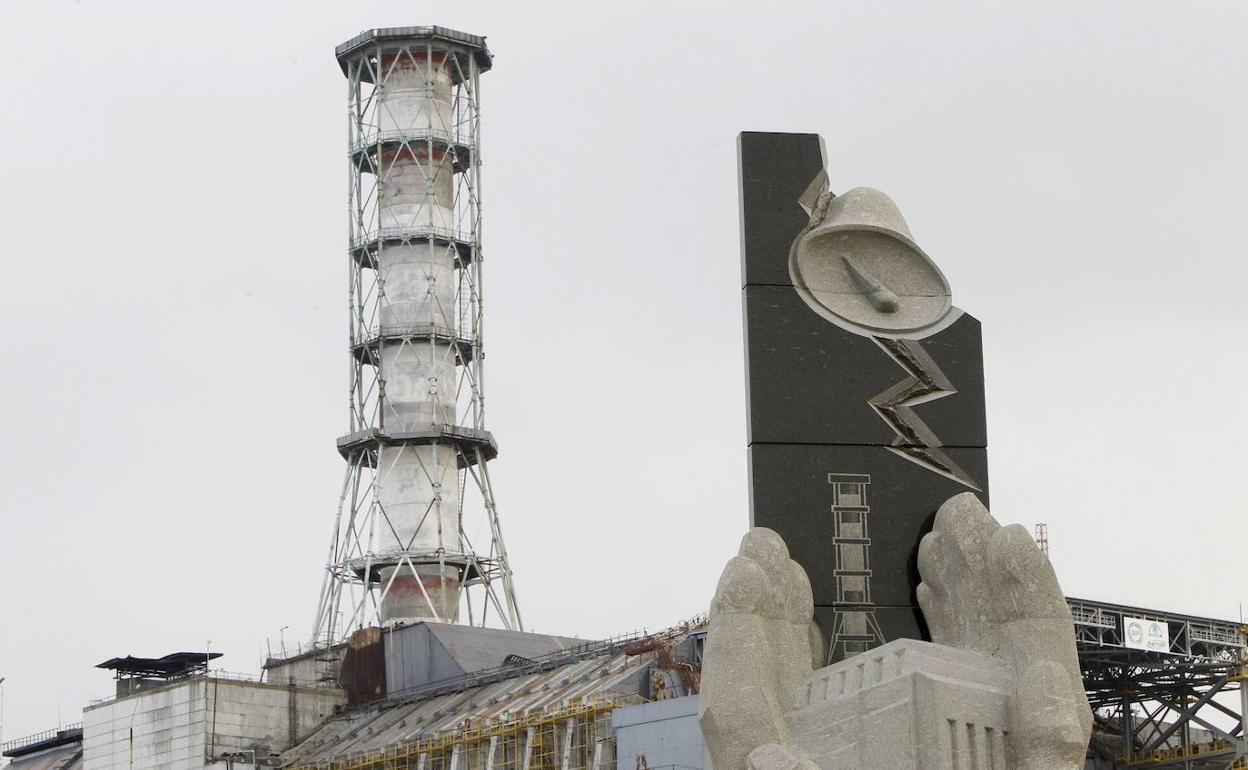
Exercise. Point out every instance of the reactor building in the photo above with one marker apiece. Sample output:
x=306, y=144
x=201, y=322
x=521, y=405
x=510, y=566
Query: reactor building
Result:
x=418, y=657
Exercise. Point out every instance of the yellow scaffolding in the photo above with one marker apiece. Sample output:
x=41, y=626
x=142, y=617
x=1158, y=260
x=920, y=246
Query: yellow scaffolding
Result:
x=575, y=737
x=1193, y=751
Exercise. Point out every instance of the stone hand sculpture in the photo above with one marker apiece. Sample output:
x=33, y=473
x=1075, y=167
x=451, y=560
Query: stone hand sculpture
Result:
x=999, y=689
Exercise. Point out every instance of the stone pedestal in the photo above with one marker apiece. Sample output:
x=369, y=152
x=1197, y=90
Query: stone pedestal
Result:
x=907, y=705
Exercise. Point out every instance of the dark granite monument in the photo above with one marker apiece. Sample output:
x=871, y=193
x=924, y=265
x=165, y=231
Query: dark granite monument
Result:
x=865, y=388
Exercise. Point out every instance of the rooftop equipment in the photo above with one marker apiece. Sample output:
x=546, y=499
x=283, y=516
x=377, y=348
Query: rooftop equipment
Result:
x=133, y=674
x=175, y=665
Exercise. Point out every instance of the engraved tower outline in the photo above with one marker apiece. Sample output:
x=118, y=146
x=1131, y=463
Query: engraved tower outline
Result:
x=854, y=626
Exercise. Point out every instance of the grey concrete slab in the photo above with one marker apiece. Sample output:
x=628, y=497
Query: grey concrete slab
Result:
x=810, y=382
x=795, y=490
x=775, y=169
x=428, y=652
x=660, y=734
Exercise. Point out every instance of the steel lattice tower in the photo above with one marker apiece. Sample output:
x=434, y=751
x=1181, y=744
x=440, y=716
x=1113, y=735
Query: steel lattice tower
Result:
x=417, y=489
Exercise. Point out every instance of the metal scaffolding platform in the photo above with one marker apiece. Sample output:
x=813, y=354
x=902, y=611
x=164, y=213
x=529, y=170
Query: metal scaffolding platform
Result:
x=576, y=737
x=1182, y=703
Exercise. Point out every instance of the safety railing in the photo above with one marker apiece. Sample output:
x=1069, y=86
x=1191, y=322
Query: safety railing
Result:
x=46, y=735
x=413, y=233
x=1179, y=753
x=541, y=663
x=414, y=136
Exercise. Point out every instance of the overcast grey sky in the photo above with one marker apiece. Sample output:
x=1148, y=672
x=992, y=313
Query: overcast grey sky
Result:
x=174, y=347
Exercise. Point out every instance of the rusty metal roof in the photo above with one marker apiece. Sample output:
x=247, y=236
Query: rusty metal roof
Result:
x=392, y=723
x=618, y=673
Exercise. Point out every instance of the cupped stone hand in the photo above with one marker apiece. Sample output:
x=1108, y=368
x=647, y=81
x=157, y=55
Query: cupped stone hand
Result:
x=758, y=652
x=987, y=590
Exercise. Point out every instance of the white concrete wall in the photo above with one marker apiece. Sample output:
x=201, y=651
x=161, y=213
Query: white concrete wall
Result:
x=178, y=727
x=307, y=670
x=416, y=190
x=415, y=94
x=162, y=728
x=420, y=384
x=419, y=287
x=419, y=490
x=418, y=486
x=241, y=716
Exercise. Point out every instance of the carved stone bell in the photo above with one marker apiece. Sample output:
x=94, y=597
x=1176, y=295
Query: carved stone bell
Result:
x=857, y=265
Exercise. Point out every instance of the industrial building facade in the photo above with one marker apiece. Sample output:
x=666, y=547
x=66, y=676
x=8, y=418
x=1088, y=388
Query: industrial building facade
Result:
x=432, y=696
x=201, y=721
x=404, y=673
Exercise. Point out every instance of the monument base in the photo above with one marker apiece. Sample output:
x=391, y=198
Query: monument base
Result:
x=906, y=705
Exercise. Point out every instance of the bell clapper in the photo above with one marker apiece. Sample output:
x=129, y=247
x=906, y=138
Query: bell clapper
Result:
x=883, y=300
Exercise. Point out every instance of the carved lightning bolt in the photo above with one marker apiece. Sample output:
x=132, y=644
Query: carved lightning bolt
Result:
x=915, y=441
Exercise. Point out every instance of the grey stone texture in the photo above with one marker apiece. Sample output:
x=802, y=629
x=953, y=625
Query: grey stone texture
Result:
x=810, y=382
x=908, y=705
x=758, y=650
x=989, y=588
x=857, y=265
x=999, y=688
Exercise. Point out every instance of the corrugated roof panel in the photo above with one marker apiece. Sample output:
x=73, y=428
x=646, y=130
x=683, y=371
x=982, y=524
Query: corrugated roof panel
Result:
x=62, y=758
x=388, y=724
x=609, y=673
